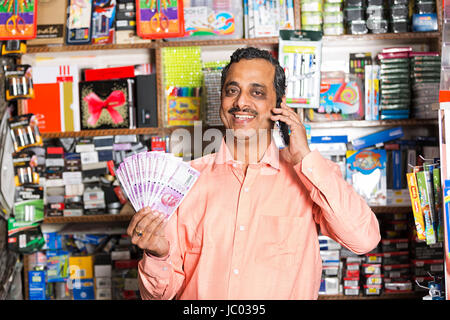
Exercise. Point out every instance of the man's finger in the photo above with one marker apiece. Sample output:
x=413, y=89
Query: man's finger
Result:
x=138, y=216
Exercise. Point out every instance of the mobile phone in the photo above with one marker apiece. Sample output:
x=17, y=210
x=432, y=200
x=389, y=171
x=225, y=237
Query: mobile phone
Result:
x=283, y=127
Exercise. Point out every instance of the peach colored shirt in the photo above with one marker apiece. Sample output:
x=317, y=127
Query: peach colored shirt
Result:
x=256, y=236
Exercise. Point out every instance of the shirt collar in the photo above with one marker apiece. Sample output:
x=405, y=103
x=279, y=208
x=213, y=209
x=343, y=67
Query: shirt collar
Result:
x=270, y=157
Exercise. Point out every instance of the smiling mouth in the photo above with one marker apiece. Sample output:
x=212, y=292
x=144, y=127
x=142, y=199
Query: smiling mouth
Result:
x=243, y=117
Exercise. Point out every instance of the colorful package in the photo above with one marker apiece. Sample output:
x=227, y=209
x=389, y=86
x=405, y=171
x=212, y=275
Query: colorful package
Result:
x=366, y=171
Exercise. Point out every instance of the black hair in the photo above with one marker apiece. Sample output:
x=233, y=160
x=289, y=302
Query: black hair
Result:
x=279, y=81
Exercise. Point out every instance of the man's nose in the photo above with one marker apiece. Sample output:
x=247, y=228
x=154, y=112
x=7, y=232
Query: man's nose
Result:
x=242, y=100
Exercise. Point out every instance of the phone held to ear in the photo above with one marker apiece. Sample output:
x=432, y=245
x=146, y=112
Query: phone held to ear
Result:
x=281, y=132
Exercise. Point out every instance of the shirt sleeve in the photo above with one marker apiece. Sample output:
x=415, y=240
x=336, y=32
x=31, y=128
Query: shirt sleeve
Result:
x=161, y=278
x=341, y=212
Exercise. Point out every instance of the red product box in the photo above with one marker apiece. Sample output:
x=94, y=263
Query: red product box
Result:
x=55, y=150
x=372, y=290
x=109, y=73
x=371, y=279
x=351, y=290
x=351, y=282
x=369, y=268
x=126, y=264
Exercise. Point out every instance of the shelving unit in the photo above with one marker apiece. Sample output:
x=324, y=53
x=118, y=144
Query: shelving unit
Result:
x=433, y=39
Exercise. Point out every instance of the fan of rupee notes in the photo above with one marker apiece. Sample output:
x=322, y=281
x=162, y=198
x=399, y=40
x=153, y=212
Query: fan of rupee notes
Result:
x=157, y=180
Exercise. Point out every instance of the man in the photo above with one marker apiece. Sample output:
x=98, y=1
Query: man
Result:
x=248, y=229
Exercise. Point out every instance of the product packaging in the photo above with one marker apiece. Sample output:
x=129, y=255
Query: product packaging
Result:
x=300, y=55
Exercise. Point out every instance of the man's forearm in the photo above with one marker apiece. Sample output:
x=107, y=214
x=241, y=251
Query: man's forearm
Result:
x=343, y=213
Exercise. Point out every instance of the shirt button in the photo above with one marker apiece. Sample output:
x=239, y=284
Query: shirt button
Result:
x=246, y=189
x=236, y=271
x=234, y=165
x=310, y=169
x=242, y=228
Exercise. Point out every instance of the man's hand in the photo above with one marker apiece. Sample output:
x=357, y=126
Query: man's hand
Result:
x=298, y=145
x=147, y=231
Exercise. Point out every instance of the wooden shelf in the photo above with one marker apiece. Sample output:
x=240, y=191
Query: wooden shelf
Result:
x=383, y=296
x=168, y=130
x=391, y=209
x=89, y=218
x=374, y=123
x=224, y=42
x=127, y=217
x=104, y=132
x=385, y=36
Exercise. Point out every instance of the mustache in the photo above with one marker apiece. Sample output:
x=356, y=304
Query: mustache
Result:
x=234, y=109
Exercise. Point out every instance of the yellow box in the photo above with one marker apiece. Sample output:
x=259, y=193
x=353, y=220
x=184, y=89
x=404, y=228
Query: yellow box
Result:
x=81, y=267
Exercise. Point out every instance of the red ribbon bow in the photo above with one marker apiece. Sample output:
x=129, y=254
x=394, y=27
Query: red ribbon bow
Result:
x=96, y=105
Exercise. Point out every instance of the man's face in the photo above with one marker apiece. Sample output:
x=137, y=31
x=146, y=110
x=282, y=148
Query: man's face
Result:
x=248, y=95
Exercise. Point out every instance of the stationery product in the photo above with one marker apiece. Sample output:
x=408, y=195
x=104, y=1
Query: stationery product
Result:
x=366, y=172
x=183, y=81
x=107, y=104
x=341, y=98
x=267, y=17
x=159, y=18
x=212, y=76
x=51, y=22
x=416, y=206
x=300, y=55
x=217, y=19
x=103, y=17
x=56, y=102
x=377, y=138
x=18, y=19
x=79, y=22
x=157, y=180
x=426, y=204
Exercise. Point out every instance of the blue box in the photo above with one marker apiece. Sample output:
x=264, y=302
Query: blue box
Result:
x=397, y=169
x=36, y=285
x=424, y=22
x=83, y=289
x=377, y=137
x=329, y=139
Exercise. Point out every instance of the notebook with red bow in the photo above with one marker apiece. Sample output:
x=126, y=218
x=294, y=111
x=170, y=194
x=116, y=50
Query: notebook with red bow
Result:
x=107, y=104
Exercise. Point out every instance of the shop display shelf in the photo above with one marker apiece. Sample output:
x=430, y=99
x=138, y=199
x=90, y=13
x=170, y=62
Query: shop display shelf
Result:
x=223, y=42
x=103, y=132
x=89, y=218
x=384, y=296
x=127, y=217
x=373, y=123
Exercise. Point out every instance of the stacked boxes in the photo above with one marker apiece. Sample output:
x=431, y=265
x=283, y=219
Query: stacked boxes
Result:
x=395, y=253
x=355, y=16
x=85, y=267
x=103, y=275
x=333, y=18
x=395, y=87
x=311, y=14
x=427, y=263
x=81, y=273
x=351, y=276
x=425, y=74
x=376, y=16
x=331, y=266
x=399, y=16
x=79, y=173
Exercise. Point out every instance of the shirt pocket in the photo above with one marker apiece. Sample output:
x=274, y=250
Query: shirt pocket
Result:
x=278, y=241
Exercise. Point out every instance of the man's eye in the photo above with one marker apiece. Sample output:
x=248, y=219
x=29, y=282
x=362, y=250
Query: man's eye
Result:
x=231, y=91
x=258, y=93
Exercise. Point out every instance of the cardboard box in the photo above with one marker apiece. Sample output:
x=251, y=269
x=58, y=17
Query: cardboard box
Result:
x=102, y=282
x=103, y=294
x=51, y=22
x=81, y=267
x=36, y=285
x=83, y=289
x=103, y=271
